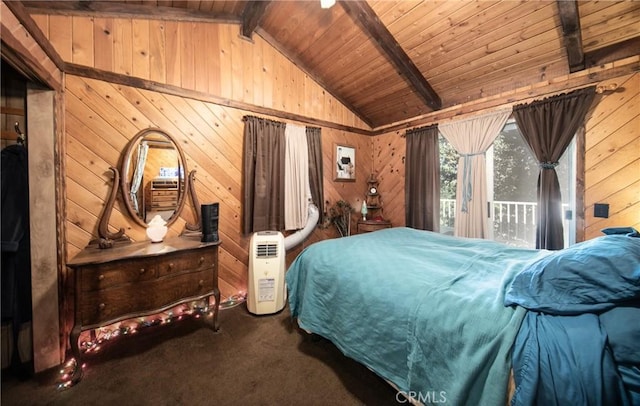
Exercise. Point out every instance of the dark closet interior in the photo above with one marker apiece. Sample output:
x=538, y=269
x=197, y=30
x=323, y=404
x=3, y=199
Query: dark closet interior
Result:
x=16, y=340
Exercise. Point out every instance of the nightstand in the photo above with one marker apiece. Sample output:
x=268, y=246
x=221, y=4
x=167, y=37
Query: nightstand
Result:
x=366, y=226
x=373, y=201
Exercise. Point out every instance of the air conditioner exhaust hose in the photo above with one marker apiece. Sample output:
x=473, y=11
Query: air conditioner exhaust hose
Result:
x=296, y=238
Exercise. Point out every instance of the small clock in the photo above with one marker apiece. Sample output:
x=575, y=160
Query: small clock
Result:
x=373, y=190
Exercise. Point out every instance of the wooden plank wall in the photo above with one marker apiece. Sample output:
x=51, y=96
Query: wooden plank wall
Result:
x=612, y=157
x=102, y=117
x=206, y=57
x=389, y=151
x=612, y=160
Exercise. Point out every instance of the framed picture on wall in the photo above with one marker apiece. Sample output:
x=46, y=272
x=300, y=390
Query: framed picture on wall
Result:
x=344, y=159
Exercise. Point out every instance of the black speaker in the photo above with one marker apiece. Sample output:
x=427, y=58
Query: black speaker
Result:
x=210, y=222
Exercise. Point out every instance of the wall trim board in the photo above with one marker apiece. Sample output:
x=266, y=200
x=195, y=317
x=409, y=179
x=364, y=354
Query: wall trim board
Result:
x=134, y=11
x=121, y=79
x=526, y=94
x=544, y=89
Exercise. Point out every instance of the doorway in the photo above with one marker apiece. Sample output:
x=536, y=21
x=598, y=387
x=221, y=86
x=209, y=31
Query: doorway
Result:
x=17, y=343
x=37, y=122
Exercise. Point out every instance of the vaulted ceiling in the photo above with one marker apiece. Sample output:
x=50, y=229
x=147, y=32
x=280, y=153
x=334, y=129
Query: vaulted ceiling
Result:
x=391, y=61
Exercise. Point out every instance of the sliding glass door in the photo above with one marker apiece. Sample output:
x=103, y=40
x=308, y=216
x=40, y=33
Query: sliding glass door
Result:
x=512, y=176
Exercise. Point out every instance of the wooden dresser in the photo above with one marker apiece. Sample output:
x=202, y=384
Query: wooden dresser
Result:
x=138, y=279
x=163, y=194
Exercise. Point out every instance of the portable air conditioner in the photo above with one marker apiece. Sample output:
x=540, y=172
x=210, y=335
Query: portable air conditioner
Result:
x=267, y=291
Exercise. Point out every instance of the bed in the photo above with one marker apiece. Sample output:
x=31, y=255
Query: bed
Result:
x=447, y=319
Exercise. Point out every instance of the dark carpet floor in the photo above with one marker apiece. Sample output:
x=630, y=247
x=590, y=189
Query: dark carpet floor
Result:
x=252, y=360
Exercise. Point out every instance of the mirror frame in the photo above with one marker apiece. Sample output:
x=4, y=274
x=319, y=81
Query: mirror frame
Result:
x=106, y=238
x=126, y=162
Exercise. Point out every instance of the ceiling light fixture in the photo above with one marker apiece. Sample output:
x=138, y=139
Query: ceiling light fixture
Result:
x=327, y=3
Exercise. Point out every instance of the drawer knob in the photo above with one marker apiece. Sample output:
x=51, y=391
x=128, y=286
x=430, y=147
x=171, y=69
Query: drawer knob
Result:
x=201, y=260
x=171, y=266
x=142, y=270
x=101, y=306
x=201, y=283
x=101, y=277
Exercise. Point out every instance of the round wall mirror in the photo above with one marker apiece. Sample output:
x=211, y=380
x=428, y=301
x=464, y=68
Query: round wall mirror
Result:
x=152, y=180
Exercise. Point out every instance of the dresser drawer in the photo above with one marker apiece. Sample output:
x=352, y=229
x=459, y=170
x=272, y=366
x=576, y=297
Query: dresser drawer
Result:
x=164, y=196
x=165, y=199
x=127, y=300
x=117, y=273
x=170, y=193
x=181, y=262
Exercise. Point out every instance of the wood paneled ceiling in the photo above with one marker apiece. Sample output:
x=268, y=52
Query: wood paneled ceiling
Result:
x=390, y=61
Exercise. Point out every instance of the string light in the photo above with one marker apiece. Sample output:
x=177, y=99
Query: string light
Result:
x=102, y=334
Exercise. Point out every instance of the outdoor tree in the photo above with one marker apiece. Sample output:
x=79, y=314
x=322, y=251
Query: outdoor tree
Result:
x=515, y=170
x=448, y=169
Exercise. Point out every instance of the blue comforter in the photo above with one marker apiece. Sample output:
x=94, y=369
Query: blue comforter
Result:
x=423, y=310
x=580, y=341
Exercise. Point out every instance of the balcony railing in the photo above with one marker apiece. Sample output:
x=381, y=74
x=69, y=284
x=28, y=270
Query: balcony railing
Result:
x=514, y=223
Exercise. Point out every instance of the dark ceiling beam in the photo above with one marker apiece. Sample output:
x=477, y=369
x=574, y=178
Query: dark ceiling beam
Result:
x=613, y=52
x=121, y=10
x=364, y=15
x=572, y=36
x=251, y=16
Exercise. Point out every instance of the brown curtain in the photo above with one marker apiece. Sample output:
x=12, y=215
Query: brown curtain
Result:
x=548, y=126
x=314, y=144
x=422, y=179
x=263, y=175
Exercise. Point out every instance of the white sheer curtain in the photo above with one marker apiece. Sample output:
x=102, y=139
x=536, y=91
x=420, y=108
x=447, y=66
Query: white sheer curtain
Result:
x=297, y=190
x=471, y=138
x=141, y=160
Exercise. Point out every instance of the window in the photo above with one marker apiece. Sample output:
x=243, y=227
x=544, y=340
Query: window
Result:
x=512, y=176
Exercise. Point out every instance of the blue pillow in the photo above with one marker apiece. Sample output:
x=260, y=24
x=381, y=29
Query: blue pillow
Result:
x=628, y=231
x=591, y=276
